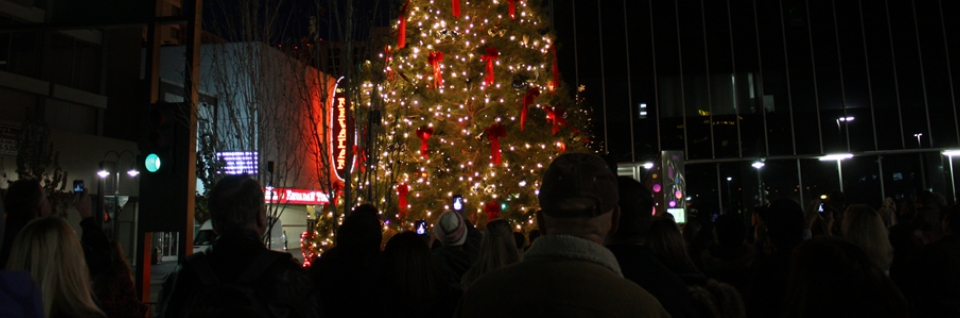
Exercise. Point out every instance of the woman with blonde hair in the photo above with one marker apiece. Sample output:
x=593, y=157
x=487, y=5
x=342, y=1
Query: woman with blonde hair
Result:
x=863, y=227
x=497, y=249
x=49, y=250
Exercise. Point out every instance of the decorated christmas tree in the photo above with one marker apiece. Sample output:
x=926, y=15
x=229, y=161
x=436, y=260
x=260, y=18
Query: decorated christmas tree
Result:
x=472, y=105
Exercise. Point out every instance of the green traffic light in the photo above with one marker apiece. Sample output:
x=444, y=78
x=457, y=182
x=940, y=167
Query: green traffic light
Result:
x=152, y=163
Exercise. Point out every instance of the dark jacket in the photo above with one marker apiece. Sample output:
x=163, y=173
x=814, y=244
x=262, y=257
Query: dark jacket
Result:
x=936, y=289
x=339, y=280
x=766, y=293
x=454, y=261
x=19, y=295
x=560, y=276
x=284, y=284
x=640, y=266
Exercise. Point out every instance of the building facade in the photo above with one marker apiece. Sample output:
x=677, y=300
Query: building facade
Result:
x=782, y=82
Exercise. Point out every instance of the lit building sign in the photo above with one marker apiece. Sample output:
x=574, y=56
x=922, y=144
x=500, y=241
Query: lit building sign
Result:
x=341, y=124
x=294, y=196
x=239, y=162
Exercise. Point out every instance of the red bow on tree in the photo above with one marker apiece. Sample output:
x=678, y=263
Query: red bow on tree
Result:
x=494, y=133
x=555, y=116
x=456, y=9
x=434, y=58
x=402, y=30
x=528, y=99
x=490, y=56
x=402, y=190
x=513, y=9
x=492, y=209
x=555, y=70
x=387, y=58
x=424, y=133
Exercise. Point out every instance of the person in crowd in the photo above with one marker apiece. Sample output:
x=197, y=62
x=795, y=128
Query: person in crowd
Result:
x=497, y=249
x=412, y=284
x=729, y=257
x=637, y=260
x=49, y=250
x=935, y=286
x=114, y=289
x=25, y=200
x=667, y=243
x=519, y=240
x=238, y=275
x=830, y=277
x=888, y=212
x=568, y=272
x=863, y=227
x=783, y=222
x=533, y=236
x=352, y=267
x=458, y=253
x=19, y=295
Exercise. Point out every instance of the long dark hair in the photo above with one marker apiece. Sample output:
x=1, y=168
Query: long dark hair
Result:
x=830, y=277
x=667, y=243
x=412, y=279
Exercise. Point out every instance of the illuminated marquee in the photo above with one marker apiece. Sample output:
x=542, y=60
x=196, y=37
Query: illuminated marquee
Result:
x=294, y=196
x=341, y=124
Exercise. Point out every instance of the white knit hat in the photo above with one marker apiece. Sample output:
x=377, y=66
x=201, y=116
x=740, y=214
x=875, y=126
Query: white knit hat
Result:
x=450, y=229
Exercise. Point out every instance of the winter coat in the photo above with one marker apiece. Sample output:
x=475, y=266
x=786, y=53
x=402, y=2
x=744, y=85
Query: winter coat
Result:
x=560, y=276
x=640, y=266
x=284, y=285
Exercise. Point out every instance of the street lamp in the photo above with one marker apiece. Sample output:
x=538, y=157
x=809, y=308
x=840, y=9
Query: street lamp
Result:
x=103, y=174
x=845, y=119
x=729, y=195
x=758, y=165
x=953, y=183
x=647, y=165
x=838, y=157
x=918, y=139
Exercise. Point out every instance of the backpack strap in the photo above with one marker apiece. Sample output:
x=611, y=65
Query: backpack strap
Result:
x=259, y=265
x=202, y=267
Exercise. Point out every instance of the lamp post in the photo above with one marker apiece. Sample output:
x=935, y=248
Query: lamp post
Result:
x=838, y=157
x=953, y=183
x=758, y=165
x=729, y=195
x=918, y=139
x=103, y=174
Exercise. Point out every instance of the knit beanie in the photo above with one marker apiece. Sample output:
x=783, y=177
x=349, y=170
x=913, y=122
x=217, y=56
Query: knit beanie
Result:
x=451, y=229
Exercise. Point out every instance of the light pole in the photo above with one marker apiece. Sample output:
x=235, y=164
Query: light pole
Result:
x=758, y=165
x=838, y=157
x=918, y=139
x=729, y=196
x=103, y=174
x=953, y=183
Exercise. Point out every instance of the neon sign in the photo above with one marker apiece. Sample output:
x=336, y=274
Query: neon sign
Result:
x=294, y=196
x=341, y=124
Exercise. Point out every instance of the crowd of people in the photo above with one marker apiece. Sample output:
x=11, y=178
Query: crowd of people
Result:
x=598, y=252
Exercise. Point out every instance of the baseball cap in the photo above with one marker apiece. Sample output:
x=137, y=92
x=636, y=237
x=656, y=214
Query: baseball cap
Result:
x=450, y=228
x=578, y=185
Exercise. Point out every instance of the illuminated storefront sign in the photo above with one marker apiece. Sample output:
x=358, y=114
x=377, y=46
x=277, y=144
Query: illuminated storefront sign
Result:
x=294, y=196
x=341, y=125
x=239, y=162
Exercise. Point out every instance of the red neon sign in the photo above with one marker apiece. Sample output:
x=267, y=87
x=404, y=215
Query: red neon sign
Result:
x=341, y=125
x=295, y=196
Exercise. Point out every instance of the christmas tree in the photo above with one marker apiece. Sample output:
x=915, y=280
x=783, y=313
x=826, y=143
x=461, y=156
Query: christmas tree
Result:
x=472, y=105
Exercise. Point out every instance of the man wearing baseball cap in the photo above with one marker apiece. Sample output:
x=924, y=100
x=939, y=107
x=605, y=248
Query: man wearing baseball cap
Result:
x=567, y=272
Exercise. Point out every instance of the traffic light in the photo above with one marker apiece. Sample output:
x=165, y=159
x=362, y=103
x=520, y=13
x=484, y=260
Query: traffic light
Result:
x=160, y=144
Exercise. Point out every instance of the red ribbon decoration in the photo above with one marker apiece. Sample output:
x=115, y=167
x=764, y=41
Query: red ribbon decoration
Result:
x=492, y=209
x=494, y=133
x=402, y=34
x=387, y=58
x=513, y=9
x=434, y=58
x=456, y=9
x=424, y=133
x=490, y=56
x=528, y=99
x=402, y=190
x=556, y=71
x=555, y=116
